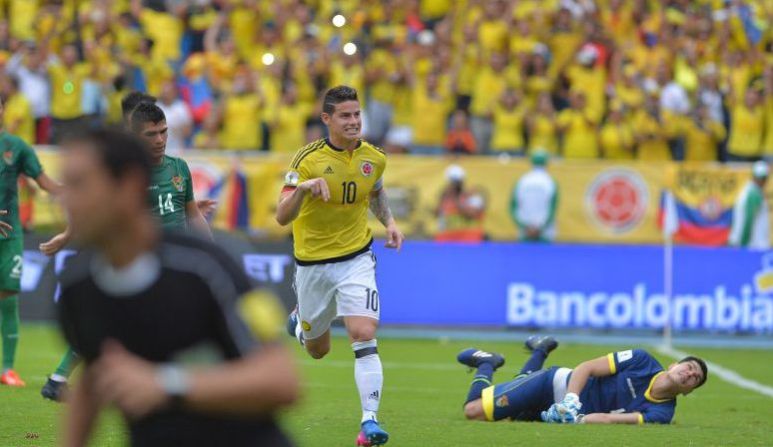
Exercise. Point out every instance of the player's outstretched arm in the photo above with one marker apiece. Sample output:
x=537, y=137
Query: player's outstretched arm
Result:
x=291, y=199
x=83, y=408
x=197, y=220
x=56, y=243
x=598, y=367
x=379, y=206
x=612, y=418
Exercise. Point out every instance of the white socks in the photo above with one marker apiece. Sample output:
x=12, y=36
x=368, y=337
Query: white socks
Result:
x=369, y=377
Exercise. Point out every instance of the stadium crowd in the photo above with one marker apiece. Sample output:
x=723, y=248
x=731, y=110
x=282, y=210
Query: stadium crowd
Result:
x=617, y=79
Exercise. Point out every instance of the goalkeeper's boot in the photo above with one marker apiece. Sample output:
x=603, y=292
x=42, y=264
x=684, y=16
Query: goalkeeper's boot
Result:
x=293, y=323
x=371, y=434
x=475, y=357
x=544, y=343
x=10, y=378
x=54, y=390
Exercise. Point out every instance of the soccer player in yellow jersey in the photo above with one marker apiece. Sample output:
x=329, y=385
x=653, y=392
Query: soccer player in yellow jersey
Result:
x=328, y=190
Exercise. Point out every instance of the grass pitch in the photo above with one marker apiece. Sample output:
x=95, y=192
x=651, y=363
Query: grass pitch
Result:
x=423, y=393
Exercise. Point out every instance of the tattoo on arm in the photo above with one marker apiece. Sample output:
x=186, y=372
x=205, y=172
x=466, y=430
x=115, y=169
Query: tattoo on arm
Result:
x=379, y=206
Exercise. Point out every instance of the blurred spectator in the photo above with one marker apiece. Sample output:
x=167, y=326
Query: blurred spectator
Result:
x=460, y=211
x=431, y=107
x=534, y=202
x=489, y=84
x=616, y=138
x=67, y=76
x=509, y=114
x=240, y=113
x=703, y=134
x=747, y=125
x=460, y=139
x=751, y=216
x=543, y=133
x=288, y=125
x=577, y=124
x=178, y=118
x=28, y=66
x=651, y=132
x=17, y=111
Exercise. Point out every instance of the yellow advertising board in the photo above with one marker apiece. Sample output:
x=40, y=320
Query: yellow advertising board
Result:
x=600, y=201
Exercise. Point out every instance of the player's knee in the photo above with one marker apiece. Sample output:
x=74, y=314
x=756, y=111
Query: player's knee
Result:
x=473, y=411
x=363, y=332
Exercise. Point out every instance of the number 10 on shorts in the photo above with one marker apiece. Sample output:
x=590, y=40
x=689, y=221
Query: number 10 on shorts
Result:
x=371, y=299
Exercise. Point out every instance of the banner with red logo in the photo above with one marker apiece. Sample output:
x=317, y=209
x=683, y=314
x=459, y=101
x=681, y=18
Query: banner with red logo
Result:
x=599, y=201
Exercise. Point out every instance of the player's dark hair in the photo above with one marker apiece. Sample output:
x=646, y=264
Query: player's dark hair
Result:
x=131, y=100
x=701, y=364
x=118, y=151
x=146, y=112
x=337, y=95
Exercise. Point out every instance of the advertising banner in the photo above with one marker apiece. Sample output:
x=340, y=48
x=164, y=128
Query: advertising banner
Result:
x=575, y=286
x=599, y=201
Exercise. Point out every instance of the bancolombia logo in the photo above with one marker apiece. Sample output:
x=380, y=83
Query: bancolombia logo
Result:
x=528, y=306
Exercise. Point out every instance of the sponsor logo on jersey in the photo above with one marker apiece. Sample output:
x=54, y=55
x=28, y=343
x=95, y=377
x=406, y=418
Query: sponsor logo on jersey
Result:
x=178, y=183
x=502, y=401
x=8, y=157
x=366, y=168
x=329, y=170
x=617, y=200
x=306, y=326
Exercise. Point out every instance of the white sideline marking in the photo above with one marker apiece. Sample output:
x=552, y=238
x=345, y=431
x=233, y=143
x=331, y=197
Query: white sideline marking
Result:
x=728, y=375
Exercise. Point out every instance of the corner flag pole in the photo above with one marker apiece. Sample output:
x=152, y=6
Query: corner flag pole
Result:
x=670, y=226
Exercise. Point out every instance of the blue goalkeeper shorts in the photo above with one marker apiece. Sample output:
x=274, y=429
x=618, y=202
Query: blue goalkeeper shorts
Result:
x=524, y=397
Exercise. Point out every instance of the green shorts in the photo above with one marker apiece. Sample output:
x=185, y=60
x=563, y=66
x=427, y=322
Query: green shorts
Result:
x=11, y=252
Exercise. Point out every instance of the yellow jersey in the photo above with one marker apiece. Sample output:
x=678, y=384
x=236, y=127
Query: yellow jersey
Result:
x=288, y=130
x=701, y=143
x=338, y=229
x=616, y=141
x=18, y=118
x=580, y=134
x=542, y=134
x=242, y=115
x=768, y=143
x=747, y=131
x=508, y=128
x=66, y=90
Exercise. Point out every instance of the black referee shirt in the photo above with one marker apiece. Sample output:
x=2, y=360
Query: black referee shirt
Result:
x=177, y=304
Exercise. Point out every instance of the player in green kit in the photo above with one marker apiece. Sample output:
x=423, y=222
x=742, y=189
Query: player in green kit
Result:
x=171, y=187
x=170, y=197
x=17, y=158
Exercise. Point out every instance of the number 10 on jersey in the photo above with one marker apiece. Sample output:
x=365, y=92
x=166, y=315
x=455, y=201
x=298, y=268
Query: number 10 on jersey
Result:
x=165, y=205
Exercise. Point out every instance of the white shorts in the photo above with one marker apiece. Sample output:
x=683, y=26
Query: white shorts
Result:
x=338, y=289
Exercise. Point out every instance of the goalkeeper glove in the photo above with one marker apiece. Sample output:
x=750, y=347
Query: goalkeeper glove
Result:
x=565, y=412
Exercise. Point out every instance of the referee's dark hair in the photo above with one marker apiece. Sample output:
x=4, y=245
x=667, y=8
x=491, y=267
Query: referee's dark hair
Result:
x=119, y=152
x=337, y=95
x=132, y=100
x=146, y=112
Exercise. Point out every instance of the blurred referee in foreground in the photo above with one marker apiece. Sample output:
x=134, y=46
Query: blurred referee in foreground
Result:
x=170, y=331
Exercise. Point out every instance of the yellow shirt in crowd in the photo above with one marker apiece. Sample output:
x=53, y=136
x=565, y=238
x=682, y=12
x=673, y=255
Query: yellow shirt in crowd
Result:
x=746, y=131
x=430, y=114
x=579, y=133
x=543, y=134
x=66, y=86
x=18, y=118
x=241, y=129
x=617, y=141
x=701, y=144
x=508, y=128
x=289, y=130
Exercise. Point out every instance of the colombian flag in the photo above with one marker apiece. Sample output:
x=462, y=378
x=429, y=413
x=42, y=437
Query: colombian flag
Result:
x=236, y=201
x=706, y=223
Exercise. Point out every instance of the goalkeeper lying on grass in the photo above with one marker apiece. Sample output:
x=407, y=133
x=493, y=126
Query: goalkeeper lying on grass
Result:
x=626, y=387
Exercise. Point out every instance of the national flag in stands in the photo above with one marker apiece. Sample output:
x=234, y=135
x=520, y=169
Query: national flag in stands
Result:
x=708, y=223
x=236, y=201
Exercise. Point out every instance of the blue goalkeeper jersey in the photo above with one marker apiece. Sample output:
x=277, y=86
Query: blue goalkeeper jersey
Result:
x=628, y=389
